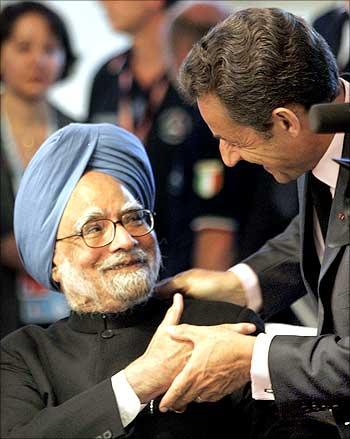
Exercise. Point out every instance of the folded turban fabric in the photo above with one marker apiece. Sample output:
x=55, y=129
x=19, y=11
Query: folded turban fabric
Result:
x=52, y=175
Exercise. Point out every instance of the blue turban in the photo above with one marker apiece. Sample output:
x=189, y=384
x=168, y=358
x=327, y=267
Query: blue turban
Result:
x=52, y=175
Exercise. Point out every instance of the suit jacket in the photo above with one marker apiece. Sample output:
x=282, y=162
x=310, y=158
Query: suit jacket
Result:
x=311, y=373
x=56, y=381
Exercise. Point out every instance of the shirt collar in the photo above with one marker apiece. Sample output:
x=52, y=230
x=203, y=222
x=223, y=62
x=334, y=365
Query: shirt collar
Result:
x=326, y=169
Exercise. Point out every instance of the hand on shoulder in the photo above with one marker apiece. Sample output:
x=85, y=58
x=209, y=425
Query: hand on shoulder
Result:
x=203, y=284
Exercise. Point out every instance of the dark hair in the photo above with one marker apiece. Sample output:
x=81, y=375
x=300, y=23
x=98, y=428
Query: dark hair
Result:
x=11, y=13
x=259, y=59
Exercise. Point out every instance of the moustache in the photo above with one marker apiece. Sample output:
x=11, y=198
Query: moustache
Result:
x=123, y=259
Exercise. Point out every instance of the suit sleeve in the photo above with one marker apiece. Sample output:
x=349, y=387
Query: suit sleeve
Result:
x=318, y=372
x=89, y=414
x=277, y=265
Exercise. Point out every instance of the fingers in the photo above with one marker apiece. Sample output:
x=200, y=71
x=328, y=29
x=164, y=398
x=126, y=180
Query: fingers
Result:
x=174, y=397
x=173, y=315
x=169, y=286
x=192, y=333
x=244, y=328
x=165, y=288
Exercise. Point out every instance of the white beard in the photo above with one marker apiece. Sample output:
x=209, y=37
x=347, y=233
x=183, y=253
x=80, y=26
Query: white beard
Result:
x=111, y=293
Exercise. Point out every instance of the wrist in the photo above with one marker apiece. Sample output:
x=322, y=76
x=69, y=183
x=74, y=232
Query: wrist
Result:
x=232, y=284
x=250, y=343
x=143, y=380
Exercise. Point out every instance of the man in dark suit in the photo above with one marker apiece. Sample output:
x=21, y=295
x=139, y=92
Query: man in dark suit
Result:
x=84, y=226
x=254, y=78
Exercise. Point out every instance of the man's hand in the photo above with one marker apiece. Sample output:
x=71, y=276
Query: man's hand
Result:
x=151, y=374
x=219, y=364
x=204, y=284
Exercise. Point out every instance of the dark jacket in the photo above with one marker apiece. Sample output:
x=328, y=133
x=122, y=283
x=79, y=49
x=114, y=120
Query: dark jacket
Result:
x=56, y=381
x=311, y=374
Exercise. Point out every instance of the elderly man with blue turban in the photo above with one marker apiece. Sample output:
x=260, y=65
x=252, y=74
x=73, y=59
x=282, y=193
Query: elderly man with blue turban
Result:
x=84, y=226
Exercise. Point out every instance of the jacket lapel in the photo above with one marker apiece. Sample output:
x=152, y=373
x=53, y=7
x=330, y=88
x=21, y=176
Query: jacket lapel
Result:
x=309, y=261
x=338, y=234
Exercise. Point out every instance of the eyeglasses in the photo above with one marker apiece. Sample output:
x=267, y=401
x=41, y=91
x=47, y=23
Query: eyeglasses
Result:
x=101, y=232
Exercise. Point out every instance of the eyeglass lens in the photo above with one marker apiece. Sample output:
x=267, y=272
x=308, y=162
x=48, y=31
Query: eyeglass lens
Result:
x=97, y=233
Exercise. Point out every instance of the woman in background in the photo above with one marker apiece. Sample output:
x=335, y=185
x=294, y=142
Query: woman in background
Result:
x=36, y=52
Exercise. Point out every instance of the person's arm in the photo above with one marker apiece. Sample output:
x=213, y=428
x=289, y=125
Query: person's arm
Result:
x=310, y=373
x=276, y=267
x=224, y=286
x=29, y=412
x=213, y=248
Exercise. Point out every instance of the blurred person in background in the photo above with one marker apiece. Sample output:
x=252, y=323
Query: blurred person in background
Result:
x=197, y=222
x=133, y=90
x=270, y=206
x=36, y=52
x=334, y=26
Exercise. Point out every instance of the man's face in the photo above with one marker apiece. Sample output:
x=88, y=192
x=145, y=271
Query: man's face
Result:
x=284, y=155
x=111, y=278
x=130, y=16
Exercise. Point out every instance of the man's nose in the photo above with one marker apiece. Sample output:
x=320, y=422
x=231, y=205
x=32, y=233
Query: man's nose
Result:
x=122, y=239
x=230, y=154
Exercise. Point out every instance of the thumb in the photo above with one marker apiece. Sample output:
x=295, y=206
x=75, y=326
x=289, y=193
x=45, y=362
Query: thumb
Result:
x=173, y=315
x=244, y=328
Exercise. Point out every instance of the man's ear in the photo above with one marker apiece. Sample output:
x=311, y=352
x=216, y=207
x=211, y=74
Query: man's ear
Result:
x=285, y=119
x=55, y=274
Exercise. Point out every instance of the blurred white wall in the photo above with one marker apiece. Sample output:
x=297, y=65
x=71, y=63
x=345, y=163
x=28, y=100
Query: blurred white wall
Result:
x=94, y=41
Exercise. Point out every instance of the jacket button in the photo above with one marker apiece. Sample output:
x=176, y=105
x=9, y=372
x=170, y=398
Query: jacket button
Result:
x=108, y=333
x=107, y=434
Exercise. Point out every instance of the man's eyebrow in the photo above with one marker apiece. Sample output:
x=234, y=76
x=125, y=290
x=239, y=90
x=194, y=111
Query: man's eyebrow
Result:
x=131, y=205
x=237, y=143
x=97, y=213
x=89, y=215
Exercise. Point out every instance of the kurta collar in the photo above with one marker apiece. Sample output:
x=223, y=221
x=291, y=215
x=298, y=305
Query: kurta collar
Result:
x=93, y=323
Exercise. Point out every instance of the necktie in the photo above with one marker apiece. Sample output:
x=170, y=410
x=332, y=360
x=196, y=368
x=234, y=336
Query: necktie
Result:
x=322, y=200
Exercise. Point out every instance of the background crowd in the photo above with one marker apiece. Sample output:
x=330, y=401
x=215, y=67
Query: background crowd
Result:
x=208, y=215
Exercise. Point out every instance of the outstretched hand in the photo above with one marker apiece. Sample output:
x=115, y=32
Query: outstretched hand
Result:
x=204, y=284
x=151, y=374
x=219, y=364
